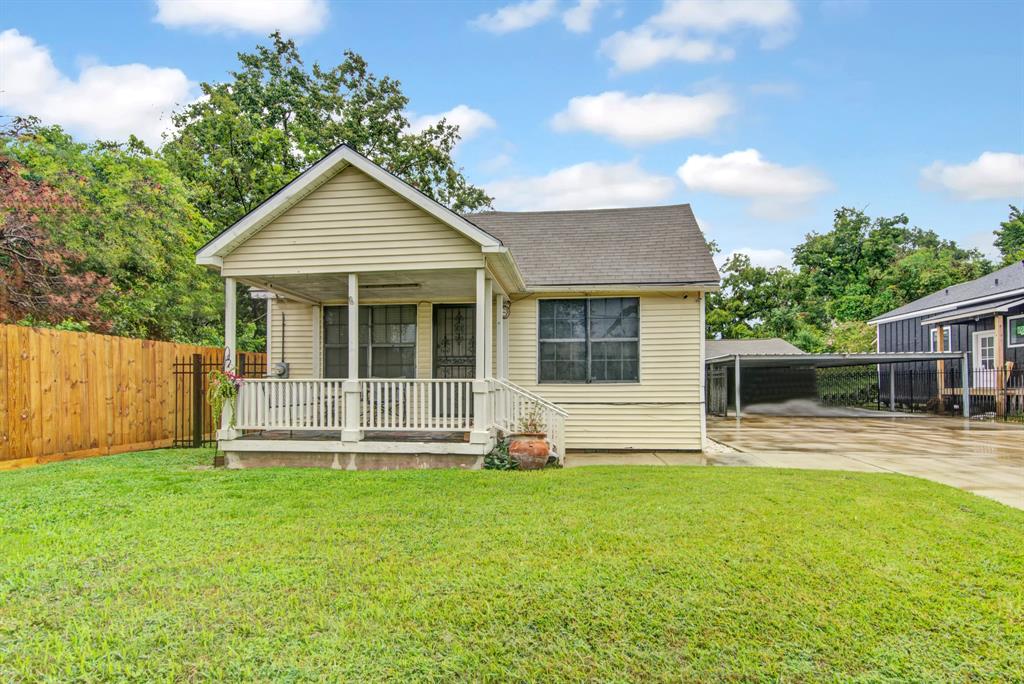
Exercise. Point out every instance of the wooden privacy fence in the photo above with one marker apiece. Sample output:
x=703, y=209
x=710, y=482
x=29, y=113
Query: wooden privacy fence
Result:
x=71, y=395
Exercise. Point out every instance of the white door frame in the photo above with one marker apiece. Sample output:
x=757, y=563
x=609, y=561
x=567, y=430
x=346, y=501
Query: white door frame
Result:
x=986, y=379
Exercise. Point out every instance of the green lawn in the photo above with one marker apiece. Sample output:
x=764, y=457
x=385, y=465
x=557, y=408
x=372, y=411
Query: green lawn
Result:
x=145, y=567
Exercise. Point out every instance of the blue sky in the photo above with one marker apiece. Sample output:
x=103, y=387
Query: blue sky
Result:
x=765, y=116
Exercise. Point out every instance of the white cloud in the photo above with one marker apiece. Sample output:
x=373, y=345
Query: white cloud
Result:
x=579, y=19
x=776, y=19
x=768, y=258
x=654, y=117
x=692, y=30
x=641, y=48
x=775, y=191
x=590, y=185
x=106, y=102
x=993, y=175
x=470, y=121
x=294, y=17
x=515, y=17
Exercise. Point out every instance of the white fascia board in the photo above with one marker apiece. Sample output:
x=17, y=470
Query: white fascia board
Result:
x=311, y=178
x=945, y=307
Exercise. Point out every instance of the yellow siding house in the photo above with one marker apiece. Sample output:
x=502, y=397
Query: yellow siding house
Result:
x=402, y=334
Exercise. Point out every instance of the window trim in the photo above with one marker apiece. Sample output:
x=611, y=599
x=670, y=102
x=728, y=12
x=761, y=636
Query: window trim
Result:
x=1009, y=331
x=369, y=340
x=588, y=342
x=946, y=331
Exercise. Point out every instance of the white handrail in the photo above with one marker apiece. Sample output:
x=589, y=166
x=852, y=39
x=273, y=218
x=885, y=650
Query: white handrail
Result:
x=510, y=403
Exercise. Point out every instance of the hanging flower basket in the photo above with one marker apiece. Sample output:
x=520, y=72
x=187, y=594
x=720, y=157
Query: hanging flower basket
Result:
x=222, y=390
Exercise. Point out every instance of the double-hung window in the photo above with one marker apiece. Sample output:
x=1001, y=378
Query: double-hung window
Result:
x=935, y=340
x=589, y=340
x=387, y=341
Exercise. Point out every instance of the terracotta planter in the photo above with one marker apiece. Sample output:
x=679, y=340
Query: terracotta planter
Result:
x=529, y=449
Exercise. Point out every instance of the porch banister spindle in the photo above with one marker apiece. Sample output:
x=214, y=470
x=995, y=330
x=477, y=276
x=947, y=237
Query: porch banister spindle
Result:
x=350, y=388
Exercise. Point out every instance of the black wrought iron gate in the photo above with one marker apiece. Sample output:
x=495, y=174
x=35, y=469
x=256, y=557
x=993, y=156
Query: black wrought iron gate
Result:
x=194, y=423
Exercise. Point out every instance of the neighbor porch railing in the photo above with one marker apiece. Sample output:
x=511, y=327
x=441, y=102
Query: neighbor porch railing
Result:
x=510, y=403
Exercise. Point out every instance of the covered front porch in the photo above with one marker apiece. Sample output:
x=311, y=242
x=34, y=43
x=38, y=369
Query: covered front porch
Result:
x=404, y=368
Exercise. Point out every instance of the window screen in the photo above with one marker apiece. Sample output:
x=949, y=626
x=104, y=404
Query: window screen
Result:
x=589, y=340
x=387, y=341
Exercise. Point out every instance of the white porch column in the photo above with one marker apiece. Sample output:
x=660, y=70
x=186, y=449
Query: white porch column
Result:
x=502, y=338
x=230, y=349
x=481, y=407
x=350, y=388
x=489, y=328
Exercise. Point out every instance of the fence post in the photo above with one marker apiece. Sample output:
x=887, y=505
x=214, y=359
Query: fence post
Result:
x=197, y=401
x=892, y=388
x=966, y=387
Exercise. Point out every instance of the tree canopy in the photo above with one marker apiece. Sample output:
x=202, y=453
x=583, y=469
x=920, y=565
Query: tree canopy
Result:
x=1010, y=237
x=841, y=278
x=247, y=137
x=127, y=219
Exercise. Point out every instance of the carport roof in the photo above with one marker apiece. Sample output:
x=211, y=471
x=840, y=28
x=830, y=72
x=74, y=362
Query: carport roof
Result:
x=829, y=360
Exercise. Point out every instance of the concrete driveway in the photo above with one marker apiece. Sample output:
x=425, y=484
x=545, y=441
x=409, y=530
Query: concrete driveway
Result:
x=981, y=457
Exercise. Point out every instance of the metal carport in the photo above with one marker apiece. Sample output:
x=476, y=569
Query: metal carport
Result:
x=760, y=360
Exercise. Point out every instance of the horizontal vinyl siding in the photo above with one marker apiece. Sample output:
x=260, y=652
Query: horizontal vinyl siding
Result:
x=297, y=350
x=354, y=224
x=661, y=412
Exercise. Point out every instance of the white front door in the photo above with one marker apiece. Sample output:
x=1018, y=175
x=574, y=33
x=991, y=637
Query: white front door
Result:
x=985, y=359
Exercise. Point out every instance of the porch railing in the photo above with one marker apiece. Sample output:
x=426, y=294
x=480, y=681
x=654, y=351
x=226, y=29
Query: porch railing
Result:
x=319, y=404
x=414, y=405
x=510, y=403
x=276, y=404
x=430, y=405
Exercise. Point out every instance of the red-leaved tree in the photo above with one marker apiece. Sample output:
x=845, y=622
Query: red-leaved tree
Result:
x=40, y=280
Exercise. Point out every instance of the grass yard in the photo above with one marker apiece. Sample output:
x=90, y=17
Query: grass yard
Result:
x=144, y=567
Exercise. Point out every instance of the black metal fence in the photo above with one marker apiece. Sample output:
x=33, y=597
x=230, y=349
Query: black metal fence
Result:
x=194, y=422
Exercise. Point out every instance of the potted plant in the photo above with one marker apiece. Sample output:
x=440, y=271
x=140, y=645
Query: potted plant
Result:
x=528, y=446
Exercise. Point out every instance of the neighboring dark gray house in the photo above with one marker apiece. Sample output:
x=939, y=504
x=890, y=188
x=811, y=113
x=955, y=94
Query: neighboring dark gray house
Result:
x=983, y=317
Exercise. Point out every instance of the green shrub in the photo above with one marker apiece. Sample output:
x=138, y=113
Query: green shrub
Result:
x=499, y=459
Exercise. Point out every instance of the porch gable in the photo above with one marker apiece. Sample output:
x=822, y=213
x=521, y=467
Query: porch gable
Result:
x=351, y=223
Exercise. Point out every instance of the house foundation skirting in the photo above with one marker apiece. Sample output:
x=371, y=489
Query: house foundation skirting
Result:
x=239, y=460
x=363, y=455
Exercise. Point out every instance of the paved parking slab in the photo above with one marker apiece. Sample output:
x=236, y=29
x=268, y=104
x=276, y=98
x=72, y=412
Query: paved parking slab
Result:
x=984, y=458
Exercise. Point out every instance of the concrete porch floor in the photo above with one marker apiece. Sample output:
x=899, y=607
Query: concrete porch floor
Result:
x=984, y=458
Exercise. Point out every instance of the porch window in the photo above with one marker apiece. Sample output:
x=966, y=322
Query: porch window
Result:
x=935, y=340
x=387, y=341
x=589, y=340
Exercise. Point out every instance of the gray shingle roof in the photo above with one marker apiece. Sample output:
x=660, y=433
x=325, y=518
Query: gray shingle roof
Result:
x=770, y=345
x=1006, y=280
x=642, y=245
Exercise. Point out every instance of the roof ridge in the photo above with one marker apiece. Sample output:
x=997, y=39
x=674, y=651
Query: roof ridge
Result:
x=579, y=211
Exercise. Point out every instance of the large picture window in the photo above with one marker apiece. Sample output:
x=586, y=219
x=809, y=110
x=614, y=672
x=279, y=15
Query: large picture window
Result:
x=387, y=341
x=589, y=340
